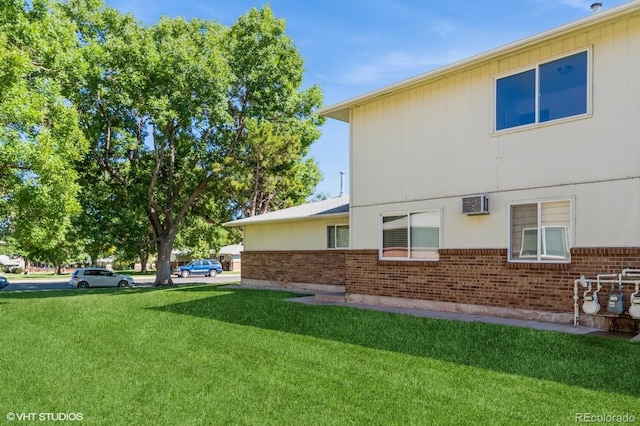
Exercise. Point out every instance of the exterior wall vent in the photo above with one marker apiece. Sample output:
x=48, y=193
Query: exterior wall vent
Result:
x=478, y=204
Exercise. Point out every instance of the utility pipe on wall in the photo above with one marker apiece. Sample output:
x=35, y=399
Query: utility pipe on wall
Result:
x=634, y=308
x=576, y=308
x=593, y=306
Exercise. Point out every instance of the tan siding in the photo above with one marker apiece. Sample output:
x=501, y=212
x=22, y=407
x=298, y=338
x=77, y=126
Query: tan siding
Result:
x=299, y=235
x=432, y=144
x=603, y=216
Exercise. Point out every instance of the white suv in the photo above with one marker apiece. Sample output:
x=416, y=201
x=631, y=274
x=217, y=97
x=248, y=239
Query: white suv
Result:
x=98, y=277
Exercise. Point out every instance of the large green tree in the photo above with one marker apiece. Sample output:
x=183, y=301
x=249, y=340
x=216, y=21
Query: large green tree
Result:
x=39, y=132
x=170, y=109
x=112, y=220
x=273, y=171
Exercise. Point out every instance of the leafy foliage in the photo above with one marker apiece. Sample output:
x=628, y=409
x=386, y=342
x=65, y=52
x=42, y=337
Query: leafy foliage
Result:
x=181, y=123
x=39, y=132
x=175, y=110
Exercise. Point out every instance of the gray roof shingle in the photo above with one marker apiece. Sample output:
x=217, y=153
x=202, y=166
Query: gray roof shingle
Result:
x=328, y=207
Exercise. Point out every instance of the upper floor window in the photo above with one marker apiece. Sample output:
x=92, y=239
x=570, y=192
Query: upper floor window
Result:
x=411, y=236
x=551, y=91
x=338, y=236
x=540, y=231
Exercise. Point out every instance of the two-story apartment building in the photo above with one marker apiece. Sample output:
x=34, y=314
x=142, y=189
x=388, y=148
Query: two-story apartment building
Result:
x=541, y=136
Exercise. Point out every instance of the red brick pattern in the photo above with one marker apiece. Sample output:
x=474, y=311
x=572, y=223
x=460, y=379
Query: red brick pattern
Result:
x=465, y=276
x=304, y=266
x=484, y=277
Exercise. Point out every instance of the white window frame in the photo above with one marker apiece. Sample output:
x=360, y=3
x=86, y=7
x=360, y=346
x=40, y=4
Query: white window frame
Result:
x=541, y=257
x=408, y=258
x=536, y=67
x=541, y=238
x=335, y=235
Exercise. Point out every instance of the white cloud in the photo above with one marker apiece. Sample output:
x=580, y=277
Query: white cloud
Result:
x=391, y=67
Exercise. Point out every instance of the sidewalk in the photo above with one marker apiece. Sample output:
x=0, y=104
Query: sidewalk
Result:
x=561, y=328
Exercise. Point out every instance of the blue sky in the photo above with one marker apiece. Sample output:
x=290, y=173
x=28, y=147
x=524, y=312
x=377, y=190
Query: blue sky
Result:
x=352, y=47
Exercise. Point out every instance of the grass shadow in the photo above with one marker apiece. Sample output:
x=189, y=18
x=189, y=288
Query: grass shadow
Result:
x=72, y=292
x=575, y=360
x=111, y=291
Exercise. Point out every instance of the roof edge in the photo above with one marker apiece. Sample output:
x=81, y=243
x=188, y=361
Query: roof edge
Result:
x=340, y=110
x=242, y=222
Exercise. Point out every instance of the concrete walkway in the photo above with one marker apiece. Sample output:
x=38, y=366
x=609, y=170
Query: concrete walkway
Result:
x=561, y=328
x=311, y=300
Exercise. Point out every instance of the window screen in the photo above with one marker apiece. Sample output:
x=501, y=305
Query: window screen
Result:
x=551, y=91
x=338, y=236
x=563, y=87
x=411, y=236
x=515, y=100
x=540, y=231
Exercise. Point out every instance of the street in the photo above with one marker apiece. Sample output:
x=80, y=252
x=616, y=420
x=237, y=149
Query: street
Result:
x=62, y=283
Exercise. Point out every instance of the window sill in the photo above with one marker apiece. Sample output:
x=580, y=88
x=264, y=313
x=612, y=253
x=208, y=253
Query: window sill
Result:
x=532, y=126
x=408, y=262
x=562, y=266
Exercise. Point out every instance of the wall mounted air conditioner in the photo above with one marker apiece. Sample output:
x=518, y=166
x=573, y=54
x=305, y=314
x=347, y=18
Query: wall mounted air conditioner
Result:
x=478, y=204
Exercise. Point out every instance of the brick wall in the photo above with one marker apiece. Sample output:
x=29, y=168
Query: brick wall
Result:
x=305, y=266
x=484, y=277
x=461, y=276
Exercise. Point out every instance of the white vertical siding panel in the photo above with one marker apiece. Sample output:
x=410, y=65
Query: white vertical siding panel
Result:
x=593, y=36
x=470, y=161
x=557, y=48
x=545, y=52
x=513, y=61
x=357, y=146
x=606, y=214
x=623, y=94
x=454, y=121
x=504, y=65
x=428, y=146
x=524, y=60
x=414, y=144
x=534, y=55
x=581, y=40
x=437, y=133
x=568, y=44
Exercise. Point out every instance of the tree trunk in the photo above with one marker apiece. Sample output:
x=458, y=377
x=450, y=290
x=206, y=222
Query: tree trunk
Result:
x=163, y=267
x=143, y=254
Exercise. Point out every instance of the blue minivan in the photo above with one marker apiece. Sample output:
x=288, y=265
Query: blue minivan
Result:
x=206, y=267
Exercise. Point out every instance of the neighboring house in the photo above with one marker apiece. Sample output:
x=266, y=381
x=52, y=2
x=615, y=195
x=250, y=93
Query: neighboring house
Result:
x=541, y=137
x=180, y=258
x=299, y=247
x=11, y=264
x=230, y=257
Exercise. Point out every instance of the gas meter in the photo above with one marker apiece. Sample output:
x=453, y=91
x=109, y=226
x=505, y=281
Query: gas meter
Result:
x=634, y=309
x=590, y=305
x=616, y=301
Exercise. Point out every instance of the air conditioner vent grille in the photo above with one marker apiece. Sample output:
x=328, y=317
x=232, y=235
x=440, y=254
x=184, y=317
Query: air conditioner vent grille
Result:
x=478, y=204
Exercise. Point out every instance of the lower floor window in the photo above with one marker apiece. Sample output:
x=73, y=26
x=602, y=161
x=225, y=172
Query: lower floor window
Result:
x=540, y=231
x=411, y=236
x=338, y=236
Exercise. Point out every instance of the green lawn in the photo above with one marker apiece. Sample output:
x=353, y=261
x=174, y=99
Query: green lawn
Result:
x=51, y=275
x=208, y=355
x=35, y=276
